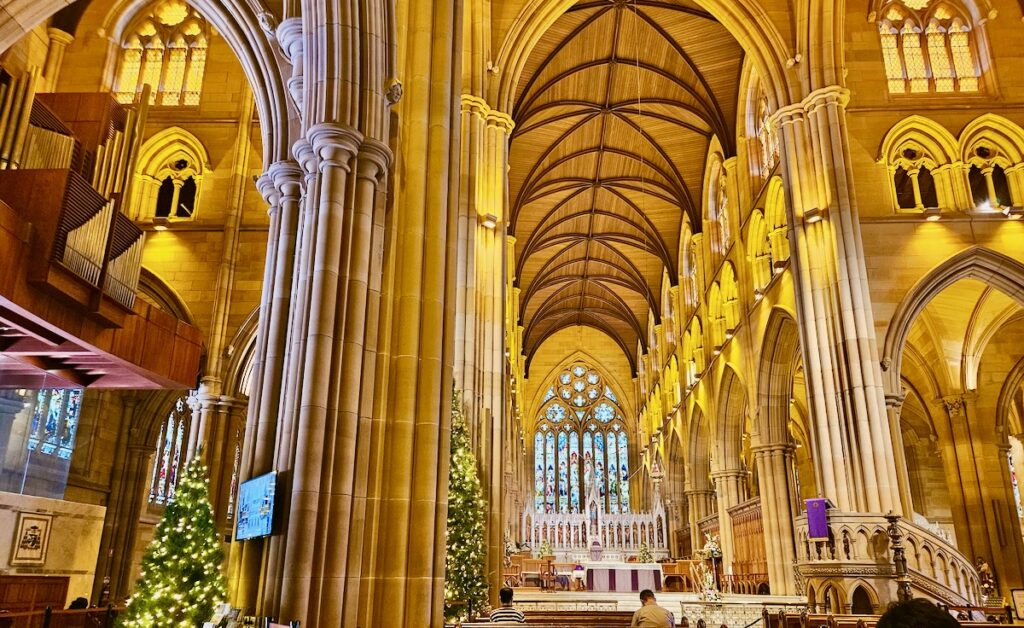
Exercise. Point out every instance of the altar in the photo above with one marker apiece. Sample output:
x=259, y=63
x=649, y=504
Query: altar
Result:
x=622, y=577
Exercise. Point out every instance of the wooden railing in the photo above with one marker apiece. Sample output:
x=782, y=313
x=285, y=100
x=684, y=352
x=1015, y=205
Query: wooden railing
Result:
x=50, y=618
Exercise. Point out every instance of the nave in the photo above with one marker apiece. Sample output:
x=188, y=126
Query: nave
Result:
x=721, y=298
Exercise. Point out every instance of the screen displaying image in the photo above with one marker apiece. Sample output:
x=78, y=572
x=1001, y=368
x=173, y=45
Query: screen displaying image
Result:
x=256, y=507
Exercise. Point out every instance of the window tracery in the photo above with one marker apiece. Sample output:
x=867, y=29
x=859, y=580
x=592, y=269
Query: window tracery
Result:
x=580, y=439
x=165, y=48
x=169, y=459
x=986, y=176
x=55, y=422
x=913, y=179
x=927, y=47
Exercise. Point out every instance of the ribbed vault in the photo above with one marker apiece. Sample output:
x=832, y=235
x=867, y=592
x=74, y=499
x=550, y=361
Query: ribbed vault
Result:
x=614, y=116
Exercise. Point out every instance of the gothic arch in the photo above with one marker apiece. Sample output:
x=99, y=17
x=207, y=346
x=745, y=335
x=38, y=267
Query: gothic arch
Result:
x=699, y=468
x=238, y=23
x=155, y=289
x=732, y=406
x=986, y=265
x=931, y=136
x=1004, y=134
x=779, y=355
x=242, y=352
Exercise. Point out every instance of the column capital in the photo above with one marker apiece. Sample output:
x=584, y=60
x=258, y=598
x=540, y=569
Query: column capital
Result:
x=728, y=474
x=698, y=492
x=826, y=97
x=955, y=405
x=895, y=400
x=289, y=35
x=500, y=120
x=304, y=154
x=765, y=450
x=373, y=159
x=474, y=104
x=287, y=178
x=265, y=184
x=59, y=36
x=334, y=144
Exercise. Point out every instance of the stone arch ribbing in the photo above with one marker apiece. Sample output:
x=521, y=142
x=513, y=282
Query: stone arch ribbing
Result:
x=986, y=265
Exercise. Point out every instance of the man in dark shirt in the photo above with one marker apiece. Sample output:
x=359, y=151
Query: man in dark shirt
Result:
x=506, y=614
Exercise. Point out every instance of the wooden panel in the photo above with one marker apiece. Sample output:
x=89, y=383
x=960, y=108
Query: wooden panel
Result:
x=29, y=593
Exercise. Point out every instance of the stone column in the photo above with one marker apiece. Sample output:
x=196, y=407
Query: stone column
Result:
x=479, y=368
x=698, y=505
x=59, y=42
x=893, y=407
x=853, y=451
x=281, y=187
x=730, y=491
x=774, y=463
x=128, y=498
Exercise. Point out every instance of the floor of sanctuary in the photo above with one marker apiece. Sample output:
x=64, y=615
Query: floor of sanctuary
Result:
x=732, y=610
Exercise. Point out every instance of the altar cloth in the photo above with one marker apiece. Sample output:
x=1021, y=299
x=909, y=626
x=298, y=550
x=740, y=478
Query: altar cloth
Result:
x=623, y=577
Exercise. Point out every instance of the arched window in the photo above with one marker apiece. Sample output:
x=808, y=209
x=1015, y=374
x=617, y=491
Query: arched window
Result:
x=927, y=47
x=55, y=422
x=990, y=187
x=719, y=209
x=580, y=442
x=913, y=180
x=767, y=137
x=165, y=48
x=169, y=176
x=169, y=457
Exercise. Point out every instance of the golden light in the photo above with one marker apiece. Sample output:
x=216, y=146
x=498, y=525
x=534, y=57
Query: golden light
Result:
x=159, y=227
x=489, y=221
x=813, y=215
x=932, y=214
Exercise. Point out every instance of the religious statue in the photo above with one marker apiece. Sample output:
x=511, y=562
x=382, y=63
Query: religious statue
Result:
x=986, y=578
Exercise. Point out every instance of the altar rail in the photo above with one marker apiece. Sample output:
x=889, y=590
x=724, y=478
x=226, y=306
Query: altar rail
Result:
x=858, y=546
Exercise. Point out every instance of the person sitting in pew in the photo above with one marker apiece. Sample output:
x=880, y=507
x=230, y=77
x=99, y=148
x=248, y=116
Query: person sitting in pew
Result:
x=650, y=615
x=506, y=614
x=916, y=614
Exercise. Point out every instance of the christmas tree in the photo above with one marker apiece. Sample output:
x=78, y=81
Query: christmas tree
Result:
x=181, y=580
x=465, y=587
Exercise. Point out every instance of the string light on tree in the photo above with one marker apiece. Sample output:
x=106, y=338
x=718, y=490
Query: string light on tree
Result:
x=465, y=586
x=181, y=581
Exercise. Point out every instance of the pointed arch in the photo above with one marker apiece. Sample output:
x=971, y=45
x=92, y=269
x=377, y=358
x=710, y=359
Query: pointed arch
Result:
x=780, y=353
x=732, y=407
x=986, y=265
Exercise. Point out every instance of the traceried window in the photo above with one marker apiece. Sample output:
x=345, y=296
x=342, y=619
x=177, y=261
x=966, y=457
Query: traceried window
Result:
x=580, y=441
x=55, y=422
x=927, y=46
x=169, y=453
x=913, y=180
x=166, y=49
x=986, y=175
x=767, y=137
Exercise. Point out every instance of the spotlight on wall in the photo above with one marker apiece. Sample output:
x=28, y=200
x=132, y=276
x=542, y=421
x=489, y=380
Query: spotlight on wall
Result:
x=489, y=221
x=159, y=227
x=813, y=215
x=931, y=214
x=1014, y=213
x=160, y=223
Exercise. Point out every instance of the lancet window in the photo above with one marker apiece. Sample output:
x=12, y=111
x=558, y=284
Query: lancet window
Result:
x=580, y=442
x=55, y=422
x=169, y=453
x=767, y=137
x=914, y=181
x=166, y=49
x=986, y=175
x=927, y=47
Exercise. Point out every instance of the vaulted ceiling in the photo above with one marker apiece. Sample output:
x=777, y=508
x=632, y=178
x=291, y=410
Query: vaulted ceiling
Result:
x=614, y=115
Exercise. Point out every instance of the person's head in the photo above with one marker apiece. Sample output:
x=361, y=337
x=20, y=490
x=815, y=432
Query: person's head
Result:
x=506, y=595
x=79, y=602
x=916, y=614
x=647, y=597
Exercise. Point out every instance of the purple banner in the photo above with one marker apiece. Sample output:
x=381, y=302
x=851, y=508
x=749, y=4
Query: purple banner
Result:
x=817, y=519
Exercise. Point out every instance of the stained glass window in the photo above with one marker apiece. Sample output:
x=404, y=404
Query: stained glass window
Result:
x=55, y=422
x=169, y=458
x=580, y=442
x=1016, y=486
x=166, y=49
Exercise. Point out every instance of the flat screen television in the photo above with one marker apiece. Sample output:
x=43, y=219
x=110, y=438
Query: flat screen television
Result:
x=256, y=507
